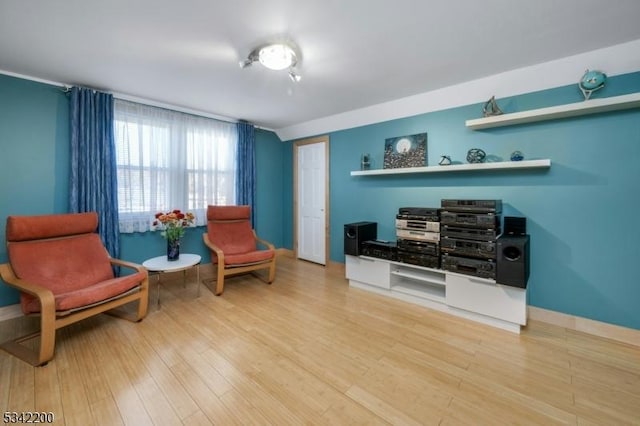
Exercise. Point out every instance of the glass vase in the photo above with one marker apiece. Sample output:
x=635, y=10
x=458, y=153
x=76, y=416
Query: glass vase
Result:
x=173, y=250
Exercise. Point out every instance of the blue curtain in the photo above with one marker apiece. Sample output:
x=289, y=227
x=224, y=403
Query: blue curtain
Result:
x=246, y=170
x=93, y=178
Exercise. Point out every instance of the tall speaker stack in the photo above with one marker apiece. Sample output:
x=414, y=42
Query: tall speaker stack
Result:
x=469, y=233
x=418, y=236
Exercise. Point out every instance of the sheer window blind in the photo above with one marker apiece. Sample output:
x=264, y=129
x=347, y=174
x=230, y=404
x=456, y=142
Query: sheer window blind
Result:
x=171, y=160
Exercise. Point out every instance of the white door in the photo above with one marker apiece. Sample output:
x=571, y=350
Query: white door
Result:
x=311, y=201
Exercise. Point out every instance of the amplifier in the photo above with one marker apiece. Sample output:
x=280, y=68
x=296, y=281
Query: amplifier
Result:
x=476, y=220
x=380, y=249
x=464, y=265
x=420, y=211
x=470, y=233
x=410, y=234
x=421, y=247
x=475, y=206
x=481, y=249
x=419, y=224
x=419, y=259
x=430, y=218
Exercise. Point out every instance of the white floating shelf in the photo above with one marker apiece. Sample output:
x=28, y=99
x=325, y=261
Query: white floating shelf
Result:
x=503, y=165
x=591, y=106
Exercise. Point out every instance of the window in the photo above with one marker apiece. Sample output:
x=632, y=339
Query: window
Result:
x=171, y=160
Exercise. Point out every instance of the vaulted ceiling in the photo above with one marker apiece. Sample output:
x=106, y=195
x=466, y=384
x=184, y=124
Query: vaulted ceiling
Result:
x=355, y=53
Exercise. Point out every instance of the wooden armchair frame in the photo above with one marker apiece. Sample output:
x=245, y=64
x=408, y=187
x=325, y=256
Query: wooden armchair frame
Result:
x=227, y=270
x=50, y=320
x=223, y=269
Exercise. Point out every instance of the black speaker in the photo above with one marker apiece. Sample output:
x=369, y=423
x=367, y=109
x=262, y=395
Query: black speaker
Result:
x=357, y=233
x=512, y=266
x=515, y=225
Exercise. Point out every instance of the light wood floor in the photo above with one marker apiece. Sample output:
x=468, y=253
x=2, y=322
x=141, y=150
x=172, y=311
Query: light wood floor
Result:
x=310, y=350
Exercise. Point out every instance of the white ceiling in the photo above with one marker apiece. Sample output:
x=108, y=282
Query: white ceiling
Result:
x=355, y=53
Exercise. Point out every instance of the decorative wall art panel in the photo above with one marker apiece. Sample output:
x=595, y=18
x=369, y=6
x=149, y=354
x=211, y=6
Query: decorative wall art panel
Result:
x=405, y=151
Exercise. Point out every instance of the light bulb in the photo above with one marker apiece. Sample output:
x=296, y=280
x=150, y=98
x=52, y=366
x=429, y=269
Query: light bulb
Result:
x=276, y=56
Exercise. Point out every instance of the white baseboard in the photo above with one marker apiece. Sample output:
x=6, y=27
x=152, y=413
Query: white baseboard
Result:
x=9, y=312
x=597, y=328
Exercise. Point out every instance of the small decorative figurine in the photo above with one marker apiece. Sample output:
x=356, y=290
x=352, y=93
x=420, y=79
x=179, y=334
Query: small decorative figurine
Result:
x=590, y=82
x=490, y=108
x=365, y=162
x=517, y=156
x=476, y=155
x=445, y=160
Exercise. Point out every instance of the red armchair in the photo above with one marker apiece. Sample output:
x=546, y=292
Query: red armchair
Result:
x=64, y=275
x=234, y=245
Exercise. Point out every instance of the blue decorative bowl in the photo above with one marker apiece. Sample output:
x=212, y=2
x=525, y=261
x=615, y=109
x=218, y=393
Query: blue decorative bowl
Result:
x=517, y=156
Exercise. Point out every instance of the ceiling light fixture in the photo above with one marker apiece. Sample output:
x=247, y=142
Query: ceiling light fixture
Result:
x=276, y=56
x=295, y=77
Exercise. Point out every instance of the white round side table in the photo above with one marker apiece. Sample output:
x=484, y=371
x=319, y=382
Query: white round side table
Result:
x=161, y=265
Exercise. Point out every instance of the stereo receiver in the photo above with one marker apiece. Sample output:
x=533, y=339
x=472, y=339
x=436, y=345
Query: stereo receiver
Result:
x=410, y=234
x=474, y=206
x=470, y=233
x=422, y=225
x=467, y=266
x=483, y=220
x=481, y=249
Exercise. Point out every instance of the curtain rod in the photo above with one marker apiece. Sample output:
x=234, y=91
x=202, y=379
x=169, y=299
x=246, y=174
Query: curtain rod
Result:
x=148, y=102
x=67, y=87
x=196, y=112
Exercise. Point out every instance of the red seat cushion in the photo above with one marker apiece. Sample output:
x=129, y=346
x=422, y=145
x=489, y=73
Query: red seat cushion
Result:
x=66, y=266
x=86, y=296
x=245, y=258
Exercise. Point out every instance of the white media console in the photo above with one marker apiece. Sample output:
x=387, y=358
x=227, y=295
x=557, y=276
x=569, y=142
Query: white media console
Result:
x=474, y=298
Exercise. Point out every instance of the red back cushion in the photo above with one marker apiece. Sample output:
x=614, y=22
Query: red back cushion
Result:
x=228, y=227
x=61, y=264
x=228, y=212
x=233, y=237
x=60, y=251
x=25, y=228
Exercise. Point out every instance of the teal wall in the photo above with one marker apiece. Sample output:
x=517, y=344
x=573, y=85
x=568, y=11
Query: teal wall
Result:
x=580, y=212
x=34, y=155
x=34, y=171
x=270, y=195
